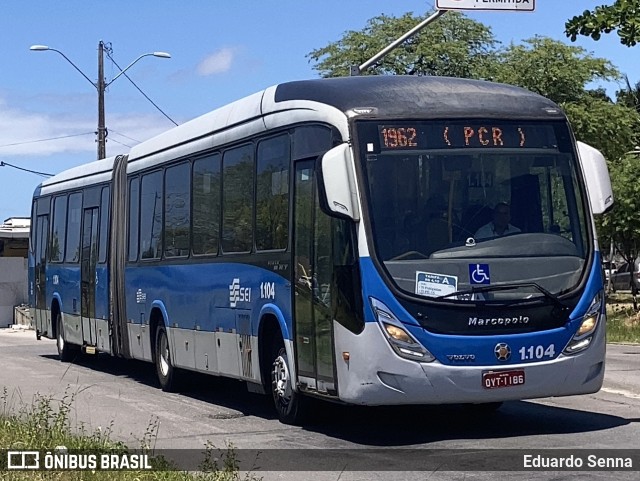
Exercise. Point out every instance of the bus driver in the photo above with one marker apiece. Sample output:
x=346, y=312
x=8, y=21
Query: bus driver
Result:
x=499, y=226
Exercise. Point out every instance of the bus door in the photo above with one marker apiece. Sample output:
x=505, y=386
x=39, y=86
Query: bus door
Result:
x=88, y=275
x=313, y=264
x=39, y=275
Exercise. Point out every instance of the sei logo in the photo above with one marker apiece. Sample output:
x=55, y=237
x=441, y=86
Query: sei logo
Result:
x=238, y=293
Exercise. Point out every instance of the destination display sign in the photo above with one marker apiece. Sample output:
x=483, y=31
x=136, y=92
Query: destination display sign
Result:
x=456, y=135
x=518, y=5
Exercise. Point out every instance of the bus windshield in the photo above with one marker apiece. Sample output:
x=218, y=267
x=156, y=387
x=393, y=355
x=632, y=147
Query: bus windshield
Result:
x=459, y=210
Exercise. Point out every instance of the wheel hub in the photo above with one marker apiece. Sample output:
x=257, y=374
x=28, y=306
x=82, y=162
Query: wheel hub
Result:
x=281, y=379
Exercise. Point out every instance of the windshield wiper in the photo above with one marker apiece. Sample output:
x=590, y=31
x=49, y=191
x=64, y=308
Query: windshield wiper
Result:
x=509, y=287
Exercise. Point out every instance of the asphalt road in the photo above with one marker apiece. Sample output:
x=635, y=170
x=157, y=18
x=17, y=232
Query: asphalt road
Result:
x=124, y=396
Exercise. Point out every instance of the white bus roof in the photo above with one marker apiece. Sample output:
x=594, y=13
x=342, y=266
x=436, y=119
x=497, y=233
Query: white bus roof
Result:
x=332, y=100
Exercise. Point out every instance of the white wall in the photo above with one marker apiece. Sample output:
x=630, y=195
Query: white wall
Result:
x=13, y=287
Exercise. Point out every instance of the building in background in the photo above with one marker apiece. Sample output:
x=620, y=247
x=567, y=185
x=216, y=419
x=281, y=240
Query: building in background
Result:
x=14, y=245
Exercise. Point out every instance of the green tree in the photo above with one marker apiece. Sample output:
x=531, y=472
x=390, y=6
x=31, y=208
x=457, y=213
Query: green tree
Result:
x=630, y=96
x=553, y=69
x=453, y=46
x=622, y=16
x=562, y=73
x=611, y=128
x=622, y=223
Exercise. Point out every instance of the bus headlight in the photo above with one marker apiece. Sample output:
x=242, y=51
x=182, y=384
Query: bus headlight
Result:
x=583, y=336
x=400, y=340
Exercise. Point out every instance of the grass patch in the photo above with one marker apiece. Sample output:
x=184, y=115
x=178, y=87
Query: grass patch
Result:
x=623, y=321
x=45, y=425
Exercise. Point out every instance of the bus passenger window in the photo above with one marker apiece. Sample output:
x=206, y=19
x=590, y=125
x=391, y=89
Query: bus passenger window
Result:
x=310, y=141
x=134, y=206
x=151, y=216
x=58, y=238
x=177, y=204
x=272, y=204
x=237, y=199
x=74, y=219
x=206, y=205
x=104, y=225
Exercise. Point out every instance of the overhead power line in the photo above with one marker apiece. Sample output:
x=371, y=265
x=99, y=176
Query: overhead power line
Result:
x=46, y=140
x=121, y=143
x=139, y=89
x=125, y=136
x=43, y=174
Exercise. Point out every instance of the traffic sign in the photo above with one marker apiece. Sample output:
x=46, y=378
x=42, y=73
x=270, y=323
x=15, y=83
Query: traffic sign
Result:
x=519, y=5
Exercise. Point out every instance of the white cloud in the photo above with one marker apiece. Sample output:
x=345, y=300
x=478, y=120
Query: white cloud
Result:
x=25, y=133
x=132, y=129
x=218, y=62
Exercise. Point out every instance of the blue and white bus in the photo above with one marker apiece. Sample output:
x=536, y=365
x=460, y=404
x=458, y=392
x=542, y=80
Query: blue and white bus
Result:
x=328, y=238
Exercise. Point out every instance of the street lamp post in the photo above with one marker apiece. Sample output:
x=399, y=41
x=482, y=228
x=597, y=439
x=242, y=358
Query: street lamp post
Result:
x=100, y=85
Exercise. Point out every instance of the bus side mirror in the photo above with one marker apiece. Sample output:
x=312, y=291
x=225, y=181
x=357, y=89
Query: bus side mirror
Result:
x=597, y=178
x=337, y=183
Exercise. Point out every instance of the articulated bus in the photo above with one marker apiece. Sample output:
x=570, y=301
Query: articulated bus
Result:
x=339, y=239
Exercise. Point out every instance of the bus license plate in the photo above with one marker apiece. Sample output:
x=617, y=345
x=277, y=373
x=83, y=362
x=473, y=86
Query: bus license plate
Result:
x=496, y=379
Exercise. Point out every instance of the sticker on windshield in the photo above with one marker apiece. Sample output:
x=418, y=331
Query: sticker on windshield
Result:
x=435, y=285
x=479, y=274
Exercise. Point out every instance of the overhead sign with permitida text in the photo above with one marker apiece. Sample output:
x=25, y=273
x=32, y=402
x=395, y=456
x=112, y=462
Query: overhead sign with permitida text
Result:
x=520, y=5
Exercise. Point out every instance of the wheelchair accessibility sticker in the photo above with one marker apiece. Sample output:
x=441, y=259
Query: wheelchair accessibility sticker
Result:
x=479, y=274
x=434, y=285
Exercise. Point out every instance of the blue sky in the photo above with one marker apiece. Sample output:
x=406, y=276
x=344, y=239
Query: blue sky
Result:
x=221, y=51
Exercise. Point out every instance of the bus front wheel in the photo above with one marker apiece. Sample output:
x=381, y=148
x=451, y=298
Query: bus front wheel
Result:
x=164, y=366
x=290, y=405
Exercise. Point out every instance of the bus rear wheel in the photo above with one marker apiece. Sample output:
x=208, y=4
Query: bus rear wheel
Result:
x=290, y=405
x=164, y=366
x=66, y=351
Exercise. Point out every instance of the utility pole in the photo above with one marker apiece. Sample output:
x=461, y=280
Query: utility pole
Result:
x=100, y=86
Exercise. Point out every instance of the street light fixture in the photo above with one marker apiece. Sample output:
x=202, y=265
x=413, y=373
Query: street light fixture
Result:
x=152, y=54
x=100, y=86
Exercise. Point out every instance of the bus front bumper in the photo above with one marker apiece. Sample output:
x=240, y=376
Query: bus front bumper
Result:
x=375, y=375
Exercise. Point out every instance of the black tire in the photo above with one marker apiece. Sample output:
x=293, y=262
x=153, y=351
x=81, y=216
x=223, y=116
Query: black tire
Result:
x=290, y=405
x=164, y=365
x=66, y=351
